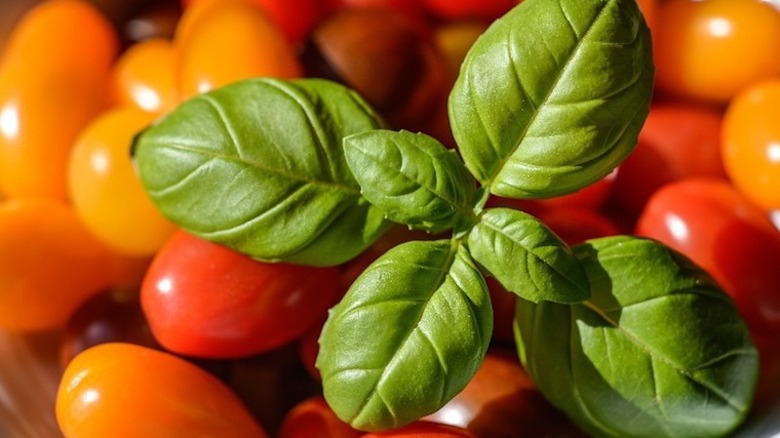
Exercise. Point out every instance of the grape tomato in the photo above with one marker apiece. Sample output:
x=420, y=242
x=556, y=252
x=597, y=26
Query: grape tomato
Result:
x=313, y=418
x=145, y=76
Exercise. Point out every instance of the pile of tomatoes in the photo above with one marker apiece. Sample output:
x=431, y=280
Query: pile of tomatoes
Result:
x=164, y=334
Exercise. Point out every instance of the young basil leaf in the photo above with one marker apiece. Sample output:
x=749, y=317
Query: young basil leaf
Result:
x=407, y=337
x=545, y=109
x=659, y=350
x=526, y=257
x=412, y=177
x=258, y=166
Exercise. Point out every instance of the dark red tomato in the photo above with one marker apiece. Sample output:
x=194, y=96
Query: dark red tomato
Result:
x=423, y=429
x=501, y=401
x=313, y=418
x=205, y=300
x=409, y=9
x=677, y=141
x=719, y=229
x=576, y=224
x=469, y=9
x=503, y=303
x=309, y=348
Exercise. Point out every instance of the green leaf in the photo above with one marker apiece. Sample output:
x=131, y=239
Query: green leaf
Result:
x=526, y=257
x=552, y=96
x=407, y=337
x=659, y=350
x=258, y=166
x=412, y=177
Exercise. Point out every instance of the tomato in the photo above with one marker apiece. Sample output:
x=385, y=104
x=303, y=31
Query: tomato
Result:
x=313, y=418
x=223, y=41
x=53, y=79
x=502, y=401
x=49, y=264
x=710, y=50
x=411, y=10
x=751, y=143
x=126, y=390
x=206, y=300
x=678, y=140
x=723, y=232
x=649, y=9
x=423, y=429
x=469, y=9
x=575, y=225
x=144, y=76
x=105, y=189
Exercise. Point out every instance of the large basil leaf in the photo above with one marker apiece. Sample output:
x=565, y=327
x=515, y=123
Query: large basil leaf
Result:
x=412, y=177
x=526, y=257
x=407, y=337
x=259, y=166
x=659, y=350
x=553, y=95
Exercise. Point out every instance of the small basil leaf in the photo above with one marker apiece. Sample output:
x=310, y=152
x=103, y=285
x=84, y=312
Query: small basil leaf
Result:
x=659, y=350
x=407, y=337
x=413, y=178
x=526, y=257
x=545, y=109
x=258, y=166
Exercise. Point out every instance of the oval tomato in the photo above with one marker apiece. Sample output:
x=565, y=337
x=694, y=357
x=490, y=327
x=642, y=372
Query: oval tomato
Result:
x=53, y=79
x=313, y=418
x=719, y=229
x=423, y=429
x=125, y=390
x=144, y=76
x=206, y=300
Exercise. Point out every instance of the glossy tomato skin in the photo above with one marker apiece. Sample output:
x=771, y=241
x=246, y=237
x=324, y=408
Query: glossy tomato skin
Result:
x=205, y=300
x=423, y=429
x=719, y=229
x=751, y=143
x=54, y=78
x=469, y=9
x=313, y=418
x=710, y=50
x=145, y=76
x=125, y=390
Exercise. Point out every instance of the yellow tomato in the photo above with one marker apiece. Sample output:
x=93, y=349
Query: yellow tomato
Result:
x=144, y=76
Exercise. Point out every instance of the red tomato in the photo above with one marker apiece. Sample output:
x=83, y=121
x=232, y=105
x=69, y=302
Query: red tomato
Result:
x=409, y=9
x=719, y=229
x=502, y=401
x=313, y=418
x=423, y=429
x=677, y=140
x=751, y=143
x=469, y=9
x=53, y=79
x=206, y=300
x=125, y=390
x=710, y=50
x=503, y=303
x=575, y=225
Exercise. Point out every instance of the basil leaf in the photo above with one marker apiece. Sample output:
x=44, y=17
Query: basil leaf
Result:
x=258, y=166
x=545, y=109
x=659, y=350
x=526, y=257
x=412, y=177
x=407, y=337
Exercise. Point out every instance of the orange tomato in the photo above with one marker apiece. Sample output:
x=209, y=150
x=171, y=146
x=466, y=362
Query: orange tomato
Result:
x=144, y=76
x=710, y=50
x=751, y=143
x=53, y=80
x=222, y=41
x=105, y=189
x=49, y=264
x=125, y=390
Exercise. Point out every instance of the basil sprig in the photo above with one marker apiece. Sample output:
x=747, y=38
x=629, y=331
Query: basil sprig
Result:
x=624, y=335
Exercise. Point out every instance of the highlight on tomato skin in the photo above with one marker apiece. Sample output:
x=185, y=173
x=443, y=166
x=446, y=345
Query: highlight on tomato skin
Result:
x=205, y=300
x=145, y=76
x=48, y=95
x=125, y=390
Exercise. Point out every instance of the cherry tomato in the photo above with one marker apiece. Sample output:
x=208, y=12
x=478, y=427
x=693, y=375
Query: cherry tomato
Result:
x=502, y=401
x=678, y=140
x=126, y=390
x=313, y=418
x=223, y=41
x=575, y=225
x=411, y=10
x=205, y=300
x=751, y=143
x=53, y=79
x=710, y=50
x=144, y=76
x=423, y=429
x=723, y=232
x=49, y=264
x=469, y=9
